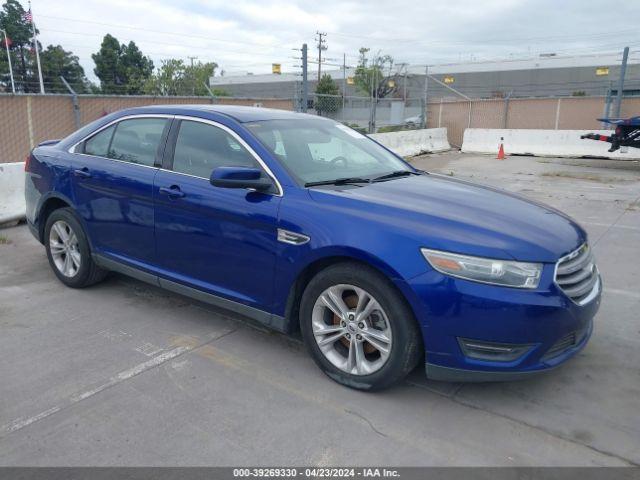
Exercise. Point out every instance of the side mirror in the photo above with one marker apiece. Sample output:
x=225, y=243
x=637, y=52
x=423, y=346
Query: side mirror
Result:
x=240, y=177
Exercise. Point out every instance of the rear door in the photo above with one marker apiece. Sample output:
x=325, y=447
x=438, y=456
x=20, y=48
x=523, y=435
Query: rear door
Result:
x=219, y=240
x=113, y=186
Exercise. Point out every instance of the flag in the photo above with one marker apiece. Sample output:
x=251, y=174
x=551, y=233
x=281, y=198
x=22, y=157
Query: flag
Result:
x=27, y=16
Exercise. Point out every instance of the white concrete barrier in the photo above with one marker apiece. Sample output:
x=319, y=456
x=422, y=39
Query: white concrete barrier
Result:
x=12, y=206
x=414, y=142
x=543, y=143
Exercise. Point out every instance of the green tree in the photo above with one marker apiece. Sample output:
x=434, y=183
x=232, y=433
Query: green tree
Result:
x=375, y=78
x=198, y=75
x=175, y=78
x=327, y=86
x=167, y=79
x=57, y=62
x=21, y=46
x=122, y=69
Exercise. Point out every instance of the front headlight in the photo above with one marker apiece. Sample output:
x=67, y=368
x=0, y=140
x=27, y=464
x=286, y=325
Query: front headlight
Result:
x=485, y=270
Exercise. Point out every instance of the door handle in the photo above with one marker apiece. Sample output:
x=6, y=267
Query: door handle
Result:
x=173, y=191
x=82, y=172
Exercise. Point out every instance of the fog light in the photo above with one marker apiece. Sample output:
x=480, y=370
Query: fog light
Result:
x=495, y=352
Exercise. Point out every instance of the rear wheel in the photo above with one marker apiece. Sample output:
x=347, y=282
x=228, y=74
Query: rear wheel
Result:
x=358, y=328
x=68, y=250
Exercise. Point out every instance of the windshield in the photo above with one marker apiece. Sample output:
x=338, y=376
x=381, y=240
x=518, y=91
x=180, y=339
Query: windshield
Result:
x=323, y=150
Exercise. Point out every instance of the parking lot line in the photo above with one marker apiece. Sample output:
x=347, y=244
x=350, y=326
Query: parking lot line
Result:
x=20, y=423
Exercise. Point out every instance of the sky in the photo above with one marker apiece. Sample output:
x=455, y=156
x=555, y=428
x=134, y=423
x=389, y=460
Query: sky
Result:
x=249, y=35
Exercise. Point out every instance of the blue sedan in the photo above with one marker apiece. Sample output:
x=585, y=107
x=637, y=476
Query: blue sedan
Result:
x=311, y=228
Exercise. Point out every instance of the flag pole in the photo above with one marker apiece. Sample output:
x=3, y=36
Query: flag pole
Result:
x=6, y=44
x=35, y=46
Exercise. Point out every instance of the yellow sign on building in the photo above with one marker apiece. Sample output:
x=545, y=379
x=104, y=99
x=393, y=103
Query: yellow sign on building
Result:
x=449, y=79
x=600, y=71
x=275, y=68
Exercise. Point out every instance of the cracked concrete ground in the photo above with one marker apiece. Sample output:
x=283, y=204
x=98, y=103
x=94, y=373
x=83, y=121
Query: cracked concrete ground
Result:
x=126, y=374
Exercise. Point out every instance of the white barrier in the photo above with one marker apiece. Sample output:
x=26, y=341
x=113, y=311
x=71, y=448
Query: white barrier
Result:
x=12, y=206
x=543, y=143
x=414, y=142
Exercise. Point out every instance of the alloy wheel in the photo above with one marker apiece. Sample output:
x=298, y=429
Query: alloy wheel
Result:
x=351, y=329
x=65, y=249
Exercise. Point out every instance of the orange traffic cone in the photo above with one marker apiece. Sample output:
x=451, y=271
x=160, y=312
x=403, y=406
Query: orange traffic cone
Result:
x=501, y=150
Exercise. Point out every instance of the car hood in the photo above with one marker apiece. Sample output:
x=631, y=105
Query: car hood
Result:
x=458, y=216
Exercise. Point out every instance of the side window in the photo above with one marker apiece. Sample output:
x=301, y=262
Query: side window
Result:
x=99, y=144
x=200, y=148
x=137, y=140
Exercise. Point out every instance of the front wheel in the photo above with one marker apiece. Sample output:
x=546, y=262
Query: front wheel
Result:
x=358, y=328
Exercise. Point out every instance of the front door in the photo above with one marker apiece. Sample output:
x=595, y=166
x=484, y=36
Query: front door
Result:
x=113, y=187
x=219, y=240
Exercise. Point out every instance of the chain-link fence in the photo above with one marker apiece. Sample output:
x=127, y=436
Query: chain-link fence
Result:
x=367, y=114
x=26, y=120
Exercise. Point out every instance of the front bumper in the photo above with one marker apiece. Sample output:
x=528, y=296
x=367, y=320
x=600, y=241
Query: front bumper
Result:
x=450, y=309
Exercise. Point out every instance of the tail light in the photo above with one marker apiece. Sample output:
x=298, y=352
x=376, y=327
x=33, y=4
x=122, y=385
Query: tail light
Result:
x=27, y=160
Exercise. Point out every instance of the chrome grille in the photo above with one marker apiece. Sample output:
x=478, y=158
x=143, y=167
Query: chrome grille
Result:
x=577, y=275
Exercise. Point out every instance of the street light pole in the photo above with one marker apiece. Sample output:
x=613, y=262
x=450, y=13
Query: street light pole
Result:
x=35, y=47
x=6, y=44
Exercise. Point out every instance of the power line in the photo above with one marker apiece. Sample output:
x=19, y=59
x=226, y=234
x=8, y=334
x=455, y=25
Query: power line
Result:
x=162, y=32
x=166, y=55
x=156, y=42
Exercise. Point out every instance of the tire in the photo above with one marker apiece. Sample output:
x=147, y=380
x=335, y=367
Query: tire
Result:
x=369, y=368
x=70, y=260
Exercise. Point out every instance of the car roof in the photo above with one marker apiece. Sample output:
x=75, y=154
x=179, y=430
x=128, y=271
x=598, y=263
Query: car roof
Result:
x=239, y=113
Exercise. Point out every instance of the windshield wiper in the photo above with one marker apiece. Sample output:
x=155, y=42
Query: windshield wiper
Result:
x=338, y=181
x=396, y=174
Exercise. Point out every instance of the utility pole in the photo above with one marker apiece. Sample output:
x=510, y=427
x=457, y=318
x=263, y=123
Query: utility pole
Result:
x=607, y=106
x=403, y=67
x=344, y=81
x=193, y=76
x=404, y=85
x=6, y=44
x=623, y=70
x=423, y=120
x=305, y=84
x=322, y=45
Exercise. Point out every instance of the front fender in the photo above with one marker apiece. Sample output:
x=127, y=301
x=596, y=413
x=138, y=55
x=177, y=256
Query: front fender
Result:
x=336, y=237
